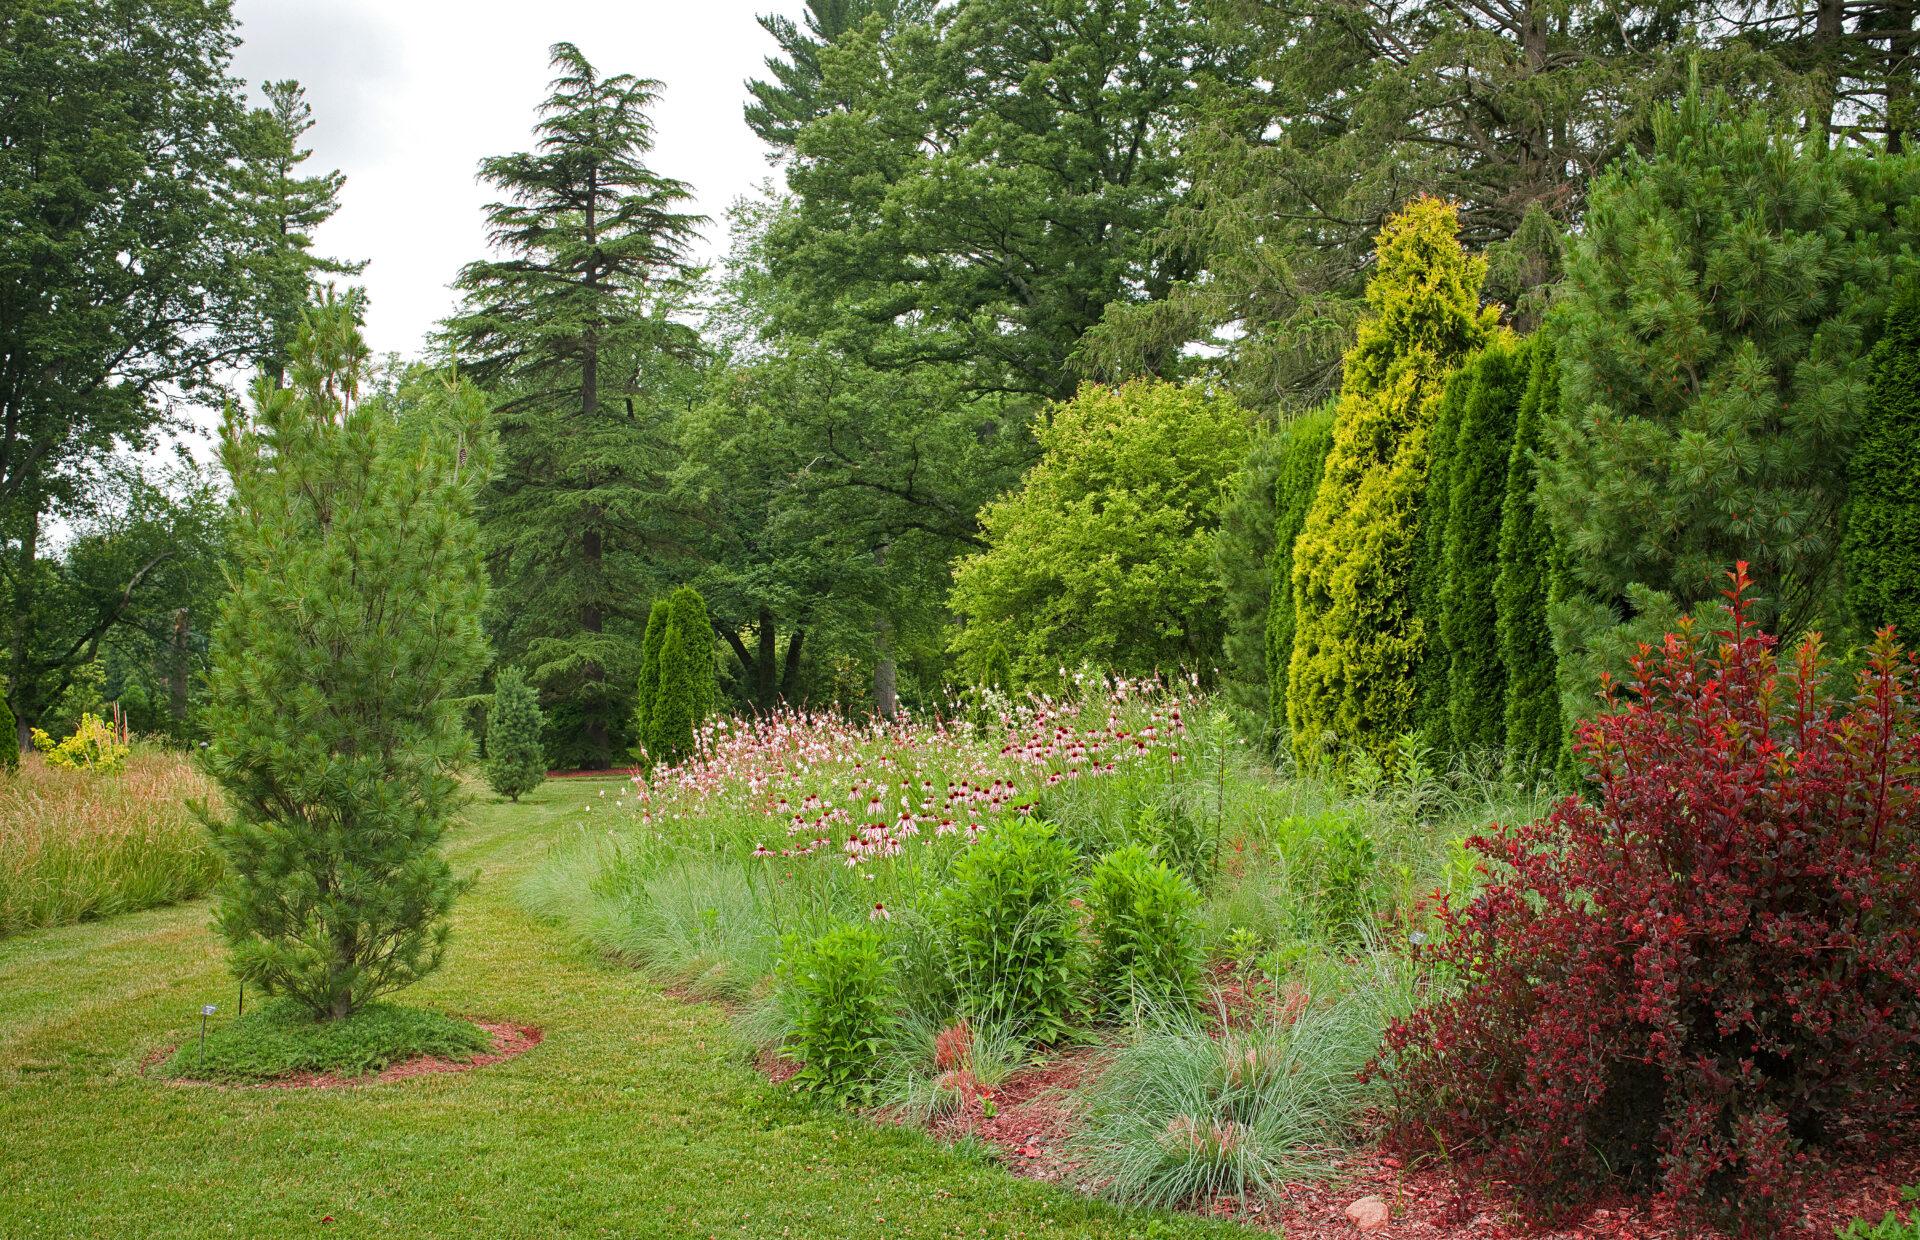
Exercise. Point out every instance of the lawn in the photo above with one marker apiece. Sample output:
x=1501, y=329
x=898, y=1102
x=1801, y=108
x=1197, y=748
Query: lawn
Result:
x=638, y=1115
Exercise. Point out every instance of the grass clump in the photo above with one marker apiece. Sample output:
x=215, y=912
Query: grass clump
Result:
x=281, y=1039
x=76, y=844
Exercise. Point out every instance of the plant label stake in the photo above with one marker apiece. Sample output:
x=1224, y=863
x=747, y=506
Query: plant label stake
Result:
x=206, y=1010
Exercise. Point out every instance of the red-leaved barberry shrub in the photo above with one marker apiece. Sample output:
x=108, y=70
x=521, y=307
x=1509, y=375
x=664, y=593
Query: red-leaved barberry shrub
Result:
x=1708, y=971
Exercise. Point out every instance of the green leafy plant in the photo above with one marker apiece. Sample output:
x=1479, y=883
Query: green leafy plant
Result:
x=93, y=747
x=1890, y=1227
x=1010, y=933
x=1144, y=918
x=841, y=1008
x=516, y=762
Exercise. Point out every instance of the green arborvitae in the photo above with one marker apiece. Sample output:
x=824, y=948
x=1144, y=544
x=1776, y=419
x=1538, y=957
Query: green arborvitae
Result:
x=1429, y=571
x=649, y=685
x=1357, y=638
x=1469, y=630
x=352, y=628
x=516, y=760
x=689, y=609
x=1535, y=734
x=672, y=717
x=1882, y=544
x=1303, y=457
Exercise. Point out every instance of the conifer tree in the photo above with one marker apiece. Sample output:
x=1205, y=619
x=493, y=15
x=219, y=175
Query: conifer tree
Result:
x=648, y=687
x=690, y=610
x=1719, y=305
x=1357, y=639
x=516, y=758
x=1429, y=576
x=1470, y=547
x=1303, y=458
x=1523, y=586
x=673, y=715
x=352, y=626
x=793, y=95
x=572, y=330
x=1882, y=546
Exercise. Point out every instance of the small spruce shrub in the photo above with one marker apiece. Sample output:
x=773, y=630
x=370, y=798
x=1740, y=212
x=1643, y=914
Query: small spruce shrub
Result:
x=841, y=1009
x=1010, y=932
x=516, y=760
x=1145, y=920
x=1706, y=971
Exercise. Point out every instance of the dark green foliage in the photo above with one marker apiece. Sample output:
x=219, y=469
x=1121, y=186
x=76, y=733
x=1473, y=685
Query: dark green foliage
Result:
x=1477, y=489
x=281, y=1039
x=573, y=333
x=516, y=760
x=1303, y=455
x=1242, y=564
x=352, y=628
x=674, y=713
x=1720, y=302
x=1882, y=543
x=1522, y=588
x=1144, y=918
x=690, y=610
x=649, y=686
x=1429, y=571
x=9, y=747
x=783, y=106
x=1009, y=931
x=841, y=1002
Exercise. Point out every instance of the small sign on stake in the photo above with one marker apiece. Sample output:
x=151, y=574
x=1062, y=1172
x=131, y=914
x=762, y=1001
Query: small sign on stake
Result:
x=206, y=1010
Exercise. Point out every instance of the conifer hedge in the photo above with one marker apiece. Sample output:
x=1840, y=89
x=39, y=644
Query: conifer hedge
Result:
x=1303, y=456
x=1882, y=542
x=1522, y=588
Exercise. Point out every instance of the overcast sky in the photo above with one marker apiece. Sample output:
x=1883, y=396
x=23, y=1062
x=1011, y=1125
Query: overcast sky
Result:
x=409, y=95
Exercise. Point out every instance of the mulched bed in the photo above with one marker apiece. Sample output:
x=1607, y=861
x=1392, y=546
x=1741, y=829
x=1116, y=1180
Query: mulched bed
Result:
x=508, y=1041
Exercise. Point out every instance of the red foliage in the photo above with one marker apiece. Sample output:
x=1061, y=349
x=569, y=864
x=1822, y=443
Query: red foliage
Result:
x=1707, y=972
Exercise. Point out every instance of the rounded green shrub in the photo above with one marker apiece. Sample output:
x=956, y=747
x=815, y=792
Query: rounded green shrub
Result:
x=1145, y=919
x=1009, y=931
x=838, y=995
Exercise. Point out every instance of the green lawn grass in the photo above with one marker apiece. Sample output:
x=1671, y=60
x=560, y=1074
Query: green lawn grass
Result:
x=638, y=1116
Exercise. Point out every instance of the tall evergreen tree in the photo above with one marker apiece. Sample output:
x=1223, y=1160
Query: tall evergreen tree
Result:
x=784, y=103
x=516, y=754
x=352, y=626
x=1308, y=439
x=1470, y=548
x=1358, y=640
x=1882, y=542
x=572, y=332
x=1713, y=339
x=1429, y=572
x=689, y=610
x=648, y=685
x=674, y=713
x=287, y=207
x=1524, y=586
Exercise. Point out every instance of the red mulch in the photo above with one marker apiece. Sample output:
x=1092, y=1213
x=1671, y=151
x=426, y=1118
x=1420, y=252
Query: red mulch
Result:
x=508, y=1041
x=1032, y=1116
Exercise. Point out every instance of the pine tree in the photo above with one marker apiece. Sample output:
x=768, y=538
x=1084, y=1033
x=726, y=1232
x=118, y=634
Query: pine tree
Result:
x=1719, y=305
x=1303, y=458
x=1470, y=552
x=1357, y=639
x=674, y=713
x=1882, y=544
x=782, y=106
x=1523, y=587
x=516, y=760
x=573, y=332
x=648, y=686
x=353, y=624
x=287, y=207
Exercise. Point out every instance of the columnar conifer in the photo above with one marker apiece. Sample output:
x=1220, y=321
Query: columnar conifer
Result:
x=1883, y=506
x=1302, y=458
x=516, y=760
x=1522, y=589
x=1358, y=641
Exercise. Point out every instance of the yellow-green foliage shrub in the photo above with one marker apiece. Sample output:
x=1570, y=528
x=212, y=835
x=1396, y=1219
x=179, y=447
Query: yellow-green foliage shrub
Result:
x=1358, y=640
x=93, y=746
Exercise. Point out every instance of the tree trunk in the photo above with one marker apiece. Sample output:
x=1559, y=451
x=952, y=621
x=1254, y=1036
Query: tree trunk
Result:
x=1902, y=63
x=26, y=711
x=790, y=675
x=177, y=673
x=1829, y=28
x=765, y=687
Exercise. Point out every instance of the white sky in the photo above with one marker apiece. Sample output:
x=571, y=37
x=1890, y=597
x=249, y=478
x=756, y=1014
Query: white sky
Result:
x=409, y=95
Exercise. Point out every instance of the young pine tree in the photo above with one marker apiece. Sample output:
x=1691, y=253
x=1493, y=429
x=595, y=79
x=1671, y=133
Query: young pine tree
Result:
x=1523, y=584
x=1303, y=457
x=573, y=328
x=1358, y=640
x=353, y=624
x=516, y=759
x=1882, y=545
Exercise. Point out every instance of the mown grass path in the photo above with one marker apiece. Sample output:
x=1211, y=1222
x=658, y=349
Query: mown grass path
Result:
x=637, y=1116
